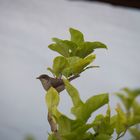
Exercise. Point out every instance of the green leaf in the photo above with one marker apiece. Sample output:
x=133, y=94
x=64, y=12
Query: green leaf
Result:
x=128, y=97
x=97, y=45
x=79, y=133
x=135, y=132
x=52, y=98
x=103, y=137
x=52, y=137
x=136, y=108
x=72, y=91
x=64, y=48
x=65, y=124
x=102, y=124
x=77, y=65
x=59, y=64
x=133, y=120
x=60, y=49
x=121, y=121
x=76, y=36
x=126, y=100
x=87, y=48
x=94, y=103
x=81, y=110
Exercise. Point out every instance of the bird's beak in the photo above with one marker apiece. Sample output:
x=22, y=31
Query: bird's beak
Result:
x=37, y=78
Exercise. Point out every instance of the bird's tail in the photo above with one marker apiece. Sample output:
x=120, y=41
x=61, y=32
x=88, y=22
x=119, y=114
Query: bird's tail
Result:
x=73, y=77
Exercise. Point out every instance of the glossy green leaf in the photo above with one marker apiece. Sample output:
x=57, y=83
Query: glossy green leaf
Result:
x=90, y=106
x=96, y=45
x=94, y=103
x=77, y=65
x=81, y=64
x=59, y=64
x=64, y=48
x=72, y=91
x=86, y=48
x=81, y=110
x=52, y=98
x=60, y=49
x=76, y=36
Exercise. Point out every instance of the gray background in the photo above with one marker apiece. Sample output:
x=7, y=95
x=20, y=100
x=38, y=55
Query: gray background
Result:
x=26, y=29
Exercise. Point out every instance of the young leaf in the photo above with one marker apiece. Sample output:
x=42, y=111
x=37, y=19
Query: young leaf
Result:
x=103, y=137
x=59, y=64
x=76, y=36
x=81, y=110
x=79, y=133
x=77, y=65
x=94, y=103
x=121, y=121
x=96, y=45
x=72, y=91
x=86, y=48
x=91, y=105
x=60, y=49
x=52, y=98
x=102, y=124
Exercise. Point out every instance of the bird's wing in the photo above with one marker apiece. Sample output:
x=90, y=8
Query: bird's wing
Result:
x=56, y=82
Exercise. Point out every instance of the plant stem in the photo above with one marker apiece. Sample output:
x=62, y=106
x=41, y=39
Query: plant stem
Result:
x=53, y=126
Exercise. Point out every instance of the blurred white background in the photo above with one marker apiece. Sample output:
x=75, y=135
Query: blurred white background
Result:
x=26, y=29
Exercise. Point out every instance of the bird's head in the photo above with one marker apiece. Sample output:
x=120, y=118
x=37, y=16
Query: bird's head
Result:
x=43, y=77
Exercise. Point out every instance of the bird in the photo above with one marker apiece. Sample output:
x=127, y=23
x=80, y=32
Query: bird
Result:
x=56, y=83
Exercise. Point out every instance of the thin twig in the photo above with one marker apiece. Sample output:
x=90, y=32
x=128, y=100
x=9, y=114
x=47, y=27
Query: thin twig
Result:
x=53, y=126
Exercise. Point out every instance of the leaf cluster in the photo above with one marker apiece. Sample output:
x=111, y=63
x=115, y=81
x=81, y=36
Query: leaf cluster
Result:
x=77, y=128
x=75, y=54
x=129, y=98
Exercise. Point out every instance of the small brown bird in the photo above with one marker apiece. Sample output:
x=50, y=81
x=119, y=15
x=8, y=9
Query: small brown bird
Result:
x=56, y=83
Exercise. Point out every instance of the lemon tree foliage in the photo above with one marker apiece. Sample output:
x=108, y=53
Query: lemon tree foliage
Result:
x=130, y=98
x=74, y=57
x=75, y=128
x=75, y=54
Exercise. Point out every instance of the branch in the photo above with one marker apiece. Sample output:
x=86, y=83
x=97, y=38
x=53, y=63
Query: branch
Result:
x=53, y=126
